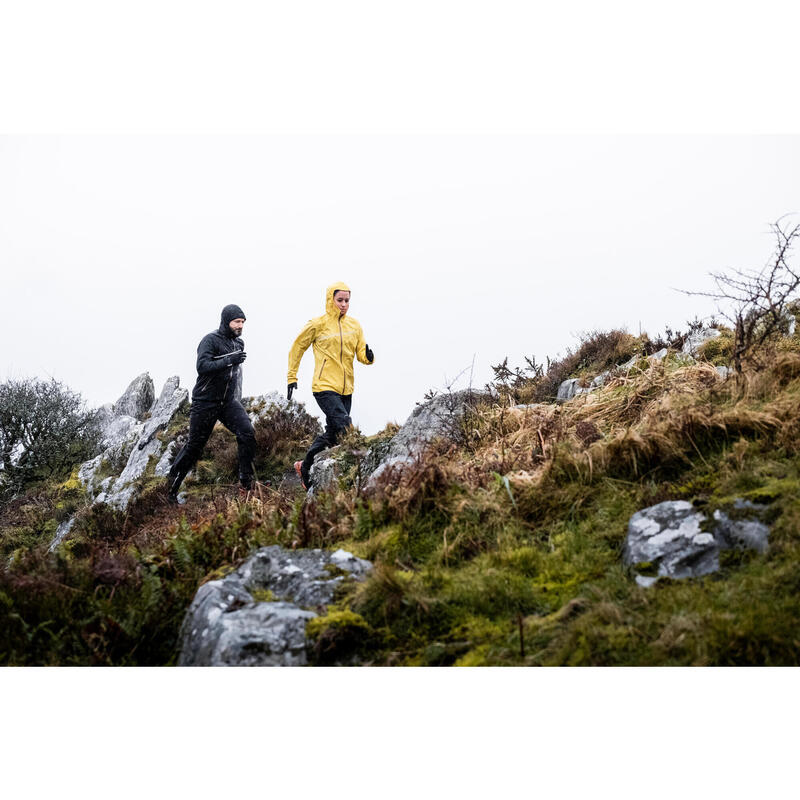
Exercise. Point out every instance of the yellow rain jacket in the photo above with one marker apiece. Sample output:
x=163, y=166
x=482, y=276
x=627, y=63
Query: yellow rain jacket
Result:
x=336, y=340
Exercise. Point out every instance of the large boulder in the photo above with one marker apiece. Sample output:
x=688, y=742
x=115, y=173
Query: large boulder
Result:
x=439, y=417
x=256, y=616
x=675, y=540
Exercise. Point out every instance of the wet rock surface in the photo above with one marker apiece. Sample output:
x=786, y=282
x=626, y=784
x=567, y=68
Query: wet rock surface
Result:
x=675, y=540
x=228, y=625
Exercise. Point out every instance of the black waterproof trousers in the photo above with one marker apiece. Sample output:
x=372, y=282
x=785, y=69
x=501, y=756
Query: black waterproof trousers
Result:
x=202, y=418
x=337, y=420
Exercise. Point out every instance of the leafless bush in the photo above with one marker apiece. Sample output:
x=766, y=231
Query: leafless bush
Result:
x=758, y=302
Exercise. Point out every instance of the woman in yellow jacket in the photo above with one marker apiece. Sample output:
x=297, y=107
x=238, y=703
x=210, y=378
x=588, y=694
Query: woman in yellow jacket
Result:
x=336, y=340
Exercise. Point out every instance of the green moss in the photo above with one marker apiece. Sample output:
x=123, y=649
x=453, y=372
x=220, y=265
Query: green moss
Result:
x=341, y=636
x=262, y=595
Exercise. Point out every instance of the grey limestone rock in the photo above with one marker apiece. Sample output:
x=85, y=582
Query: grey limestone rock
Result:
x=430, y=420
x=165, y=462
x=119, y=436
x=63, y=529
x=172, y=397
x=695, y=340
x=630, y=363
x=137, y=399
x=660, y=355
x=258, y=405
x=147, y=446
x=746, y=534
x=567, y=390
x=226, y=626
x=323, y=472
x=674, y=538
x=128, y=443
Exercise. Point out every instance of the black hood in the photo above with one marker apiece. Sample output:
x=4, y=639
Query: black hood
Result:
x=229, y=313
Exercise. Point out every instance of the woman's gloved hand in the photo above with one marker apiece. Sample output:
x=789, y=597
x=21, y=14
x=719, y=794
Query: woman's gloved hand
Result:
x=289, y=389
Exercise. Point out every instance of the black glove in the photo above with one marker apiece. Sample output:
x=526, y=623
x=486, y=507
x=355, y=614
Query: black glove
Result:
x=237, y=357
x=370, y=355
x=290, y=389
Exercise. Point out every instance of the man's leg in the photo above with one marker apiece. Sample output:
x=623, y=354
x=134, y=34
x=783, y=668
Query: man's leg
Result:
x=336, y=408
x=201, y=422
x=235, y=419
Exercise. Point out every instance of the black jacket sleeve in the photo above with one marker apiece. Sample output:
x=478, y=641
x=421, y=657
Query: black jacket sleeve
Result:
x=205, y=352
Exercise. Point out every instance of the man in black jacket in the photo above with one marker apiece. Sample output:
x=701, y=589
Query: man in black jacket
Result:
x=217, y=395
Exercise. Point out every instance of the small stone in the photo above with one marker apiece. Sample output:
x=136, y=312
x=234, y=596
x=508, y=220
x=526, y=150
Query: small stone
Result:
x=670, y=537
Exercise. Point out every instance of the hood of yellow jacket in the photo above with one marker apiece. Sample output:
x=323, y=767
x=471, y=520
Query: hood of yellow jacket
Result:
x=330, y=306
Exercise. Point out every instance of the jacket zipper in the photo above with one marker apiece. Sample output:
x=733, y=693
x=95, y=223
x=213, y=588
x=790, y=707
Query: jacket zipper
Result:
x=341, y=356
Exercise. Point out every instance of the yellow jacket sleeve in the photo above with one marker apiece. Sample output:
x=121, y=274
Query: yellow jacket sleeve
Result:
x=301, y=344
x=361, y=347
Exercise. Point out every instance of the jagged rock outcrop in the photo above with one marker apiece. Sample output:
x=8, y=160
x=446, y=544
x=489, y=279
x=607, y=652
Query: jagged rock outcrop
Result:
x=137, y=399
x=231, y=623
x=675, y=540
x=128, y=442
x=172, y=397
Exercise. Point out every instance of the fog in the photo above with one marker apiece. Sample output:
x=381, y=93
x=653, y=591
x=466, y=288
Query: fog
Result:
x=118, y=253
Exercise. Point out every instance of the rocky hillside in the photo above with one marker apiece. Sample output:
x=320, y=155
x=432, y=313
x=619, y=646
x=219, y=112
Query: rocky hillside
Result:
x=635, y=503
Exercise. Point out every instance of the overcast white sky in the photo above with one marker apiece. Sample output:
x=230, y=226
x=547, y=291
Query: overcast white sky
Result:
x=119, y=252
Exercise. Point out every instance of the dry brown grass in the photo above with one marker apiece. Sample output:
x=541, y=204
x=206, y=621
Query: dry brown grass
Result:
x=661, y=417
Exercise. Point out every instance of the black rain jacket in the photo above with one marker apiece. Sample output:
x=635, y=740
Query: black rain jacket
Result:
x=219, y=381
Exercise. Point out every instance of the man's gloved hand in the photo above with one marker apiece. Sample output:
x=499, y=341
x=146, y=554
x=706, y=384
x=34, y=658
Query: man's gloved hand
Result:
x=290, y=389
x=237, y=357
x=370, y=355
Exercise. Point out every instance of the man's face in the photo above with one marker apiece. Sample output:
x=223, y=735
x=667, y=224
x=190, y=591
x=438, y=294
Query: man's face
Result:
x=236, y=326
x=342, y=301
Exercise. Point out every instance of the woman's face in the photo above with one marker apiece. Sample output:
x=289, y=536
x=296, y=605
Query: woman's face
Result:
x=342, y=301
